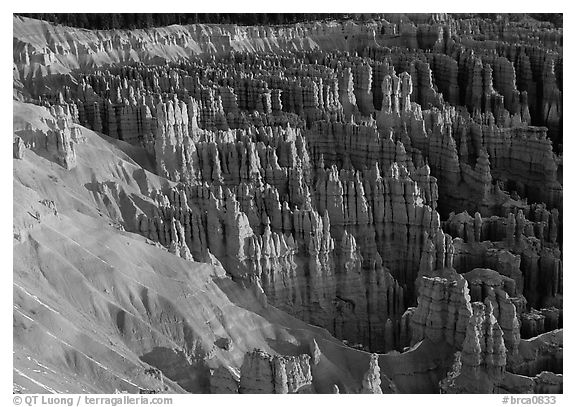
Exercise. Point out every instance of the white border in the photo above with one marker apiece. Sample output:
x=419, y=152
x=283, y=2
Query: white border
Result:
x=291, y=6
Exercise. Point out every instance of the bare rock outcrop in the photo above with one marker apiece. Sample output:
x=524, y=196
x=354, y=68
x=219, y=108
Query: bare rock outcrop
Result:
x=483, y=357
x=55, y=140
x=263, y=373
x=18, y=148
x=443, y=311
x=371, y=382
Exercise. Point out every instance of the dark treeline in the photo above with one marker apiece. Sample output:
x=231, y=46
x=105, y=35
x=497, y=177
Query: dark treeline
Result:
x=105, y=21
x=554, y=18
